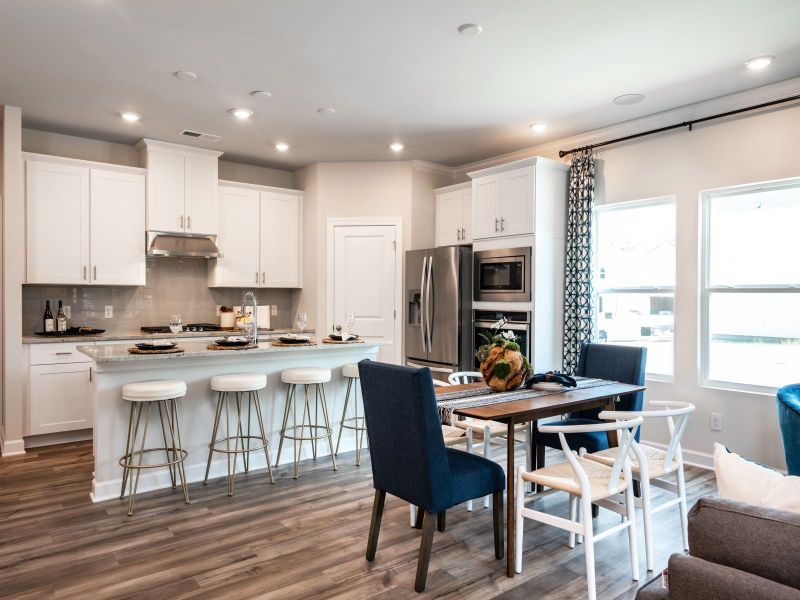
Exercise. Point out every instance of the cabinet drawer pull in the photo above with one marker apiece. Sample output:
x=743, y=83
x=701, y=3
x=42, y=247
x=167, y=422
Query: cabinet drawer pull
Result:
x=463, y=234
x=189, y=222
x=181, y=225
x=497, y=225
x=63, y=353
x=263, y=277
x=502, y=224
x=256, y=280
x=458, y=234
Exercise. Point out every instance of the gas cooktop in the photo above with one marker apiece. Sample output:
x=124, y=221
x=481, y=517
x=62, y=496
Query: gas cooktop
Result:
x=187, y=327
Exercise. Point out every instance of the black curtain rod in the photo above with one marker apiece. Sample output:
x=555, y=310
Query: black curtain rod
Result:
x=689, y=124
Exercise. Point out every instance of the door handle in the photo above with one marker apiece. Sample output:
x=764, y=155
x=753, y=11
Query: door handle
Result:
x=434, y=369
x=428, y=303
x=94, y=272
x=422, y=303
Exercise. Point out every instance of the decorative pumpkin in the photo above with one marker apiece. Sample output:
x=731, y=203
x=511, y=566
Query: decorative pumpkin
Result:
x=503, y=366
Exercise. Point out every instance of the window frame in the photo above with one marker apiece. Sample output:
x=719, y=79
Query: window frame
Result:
x=597, y=290
x=706, y=289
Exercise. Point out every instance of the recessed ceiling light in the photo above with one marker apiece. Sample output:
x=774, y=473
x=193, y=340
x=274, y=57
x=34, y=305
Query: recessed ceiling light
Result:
x=132, y=117
x=470, y=29
x=396, y=147
x=538, y=127
x=241, y=113
x=626, y=99
x=281, y=146
x=186, y=75
x=261, y=94
x=326, y=110
x=759, y=62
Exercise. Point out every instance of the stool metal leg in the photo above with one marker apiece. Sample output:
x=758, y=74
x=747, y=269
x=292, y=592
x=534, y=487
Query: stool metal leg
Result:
x=344, y=414
x=179, y=447
x=285, y=422
x=128, y=450
x=313, y=432
x=166, y=444
x=232, y=478
x=299, y=449
x=329, y=431
x=246, y=452
x=263, y=434
x=214, y=431
x=133, y=482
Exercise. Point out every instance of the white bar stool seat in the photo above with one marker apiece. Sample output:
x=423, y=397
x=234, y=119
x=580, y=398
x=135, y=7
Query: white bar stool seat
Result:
x=350, y=370
x=239, y=382
x=309, y=427
x=306, y=376
x=164, y=393
x=153, y=391
x=241, y=391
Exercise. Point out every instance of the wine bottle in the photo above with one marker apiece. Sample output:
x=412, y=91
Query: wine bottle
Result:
x=49, y=325
x=61, y=318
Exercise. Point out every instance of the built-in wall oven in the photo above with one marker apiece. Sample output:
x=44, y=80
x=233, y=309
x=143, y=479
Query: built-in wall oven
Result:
x=517, y=321
x=503, y=275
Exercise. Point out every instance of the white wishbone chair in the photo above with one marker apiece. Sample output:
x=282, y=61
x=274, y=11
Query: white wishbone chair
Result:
x=649, y=464
x=588, y=481
x=486, y=429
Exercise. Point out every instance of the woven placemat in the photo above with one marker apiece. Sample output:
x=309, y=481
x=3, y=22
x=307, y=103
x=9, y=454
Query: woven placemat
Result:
x=218, y=347
x=174, y=350
x=295, y=345
x=330, y=341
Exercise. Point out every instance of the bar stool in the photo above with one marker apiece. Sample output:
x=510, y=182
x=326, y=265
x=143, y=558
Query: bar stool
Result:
x=142, y=395
x=355, y=423
x=238, y=385
x=306, y=377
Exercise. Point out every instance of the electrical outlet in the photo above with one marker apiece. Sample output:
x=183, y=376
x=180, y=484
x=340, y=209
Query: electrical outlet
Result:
x=68, y=311
x=715, y=421
x=273, y=310
x=109, y=312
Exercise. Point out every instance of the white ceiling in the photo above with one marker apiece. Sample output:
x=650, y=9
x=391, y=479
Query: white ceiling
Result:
x=393, y=70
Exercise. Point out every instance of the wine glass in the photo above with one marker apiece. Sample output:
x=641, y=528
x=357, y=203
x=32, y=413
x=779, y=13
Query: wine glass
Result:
x=175, y=323
x=350, y=320
x=302, y=321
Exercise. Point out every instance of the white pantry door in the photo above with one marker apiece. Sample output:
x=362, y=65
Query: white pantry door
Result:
x=364, y=282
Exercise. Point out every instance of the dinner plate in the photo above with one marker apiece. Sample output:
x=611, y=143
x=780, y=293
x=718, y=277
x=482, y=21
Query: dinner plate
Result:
x=232, y=341
x=338, y=337
x=156, y=344
x=293, y=338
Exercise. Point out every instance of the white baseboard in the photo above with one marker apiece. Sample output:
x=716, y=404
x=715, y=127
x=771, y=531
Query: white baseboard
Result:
x=693, y=458
x=63, y=437
x=10, y=447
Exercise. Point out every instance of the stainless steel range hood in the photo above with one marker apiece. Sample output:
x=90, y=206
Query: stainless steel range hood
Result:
x=166, y=243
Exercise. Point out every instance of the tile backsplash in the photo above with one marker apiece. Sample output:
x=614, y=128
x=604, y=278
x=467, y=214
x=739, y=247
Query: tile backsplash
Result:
x=174, y=286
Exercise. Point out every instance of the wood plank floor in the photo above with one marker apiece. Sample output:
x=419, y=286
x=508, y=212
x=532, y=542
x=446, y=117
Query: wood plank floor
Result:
x=294, y=539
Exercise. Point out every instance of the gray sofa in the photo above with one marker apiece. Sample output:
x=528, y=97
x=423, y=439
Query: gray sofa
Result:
x=738, y=552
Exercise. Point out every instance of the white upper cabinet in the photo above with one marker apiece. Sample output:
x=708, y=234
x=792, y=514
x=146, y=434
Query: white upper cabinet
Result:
x=57, y=205
x=117, y=228
x=486, y=207
x=85, y=225
x=181, y=187
x=454, y=215
x=259, y=236
x=505, y=197
x=281, y=220
x=239, y=233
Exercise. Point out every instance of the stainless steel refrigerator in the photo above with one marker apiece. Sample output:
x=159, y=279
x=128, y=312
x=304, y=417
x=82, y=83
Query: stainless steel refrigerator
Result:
x=438, y=327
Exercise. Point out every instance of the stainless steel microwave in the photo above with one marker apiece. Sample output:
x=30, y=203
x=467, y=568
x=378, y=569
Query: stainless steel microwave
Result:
x=503, y=275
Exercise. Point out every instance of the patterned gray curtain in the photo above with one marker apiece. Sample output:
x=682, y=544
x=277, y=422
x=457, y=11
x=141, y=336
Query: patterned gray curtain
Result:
x=578, y=317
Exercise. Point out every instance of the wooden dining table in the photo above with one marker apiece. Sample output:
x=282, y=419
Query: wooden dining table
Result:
x=530, y=410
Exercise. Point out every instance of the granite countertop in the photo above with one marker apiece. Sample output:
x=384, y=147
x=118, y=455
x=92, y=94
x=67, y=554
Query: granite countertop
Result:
x=119, y=352
x=138, y=335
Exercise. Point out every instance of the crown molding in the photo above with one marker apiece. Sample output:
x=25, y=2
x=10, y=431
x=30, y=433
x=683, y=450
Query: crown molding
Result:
x=721, y=104
x=431, y=167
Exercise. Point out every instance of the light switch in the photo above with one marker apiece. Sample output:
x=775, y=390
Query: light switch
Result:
x=273, y=310
x=109, y=312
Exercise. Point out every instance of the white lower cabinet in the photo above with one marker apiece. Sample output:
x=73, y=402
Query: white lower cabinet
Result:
x=60, y=389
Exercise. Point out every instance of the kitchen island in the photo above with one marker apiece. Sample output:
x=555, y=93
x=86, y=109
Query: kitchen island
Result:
x=114, y=366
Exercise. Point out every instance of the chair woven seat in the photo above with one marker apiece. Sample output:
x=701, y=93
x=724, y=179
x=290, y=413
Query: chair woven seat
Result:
x=656, y=465
x=561, y=477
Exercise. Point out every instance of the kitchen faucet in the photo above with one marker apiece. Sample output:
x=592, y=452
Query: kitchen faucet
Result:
x=249, y=297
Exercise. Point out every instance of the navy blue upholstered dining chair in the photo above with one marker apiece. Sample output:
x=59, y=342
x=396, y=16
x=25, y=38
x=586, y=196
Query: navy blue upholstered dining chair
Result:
x=625, y=364
x=410, y=461
x=789, y=418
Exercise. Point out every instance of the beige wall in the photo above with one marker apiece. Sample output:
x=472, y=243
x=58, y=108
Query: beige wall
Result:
x=745, y=150
x=56, y=144
x=13, y=241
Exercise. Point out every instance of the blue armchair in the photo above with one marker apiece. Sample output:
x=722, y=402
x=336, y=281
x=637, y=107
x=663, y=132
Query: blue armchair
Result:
x=625, y=364
x=410, y=461
x=789, y=419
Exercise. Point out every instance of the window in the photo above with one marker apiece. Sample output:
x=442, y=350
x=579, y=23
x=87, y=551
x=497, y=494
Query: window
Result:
x=750, y=330
x=634, y=279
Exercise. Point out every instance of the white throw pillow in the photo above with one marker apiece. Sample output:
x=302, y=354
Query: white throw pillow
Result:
x=740, y=479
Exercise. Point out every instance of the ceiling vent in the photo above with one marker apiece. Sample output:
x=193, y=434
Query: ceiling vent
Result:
x=198, y=135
